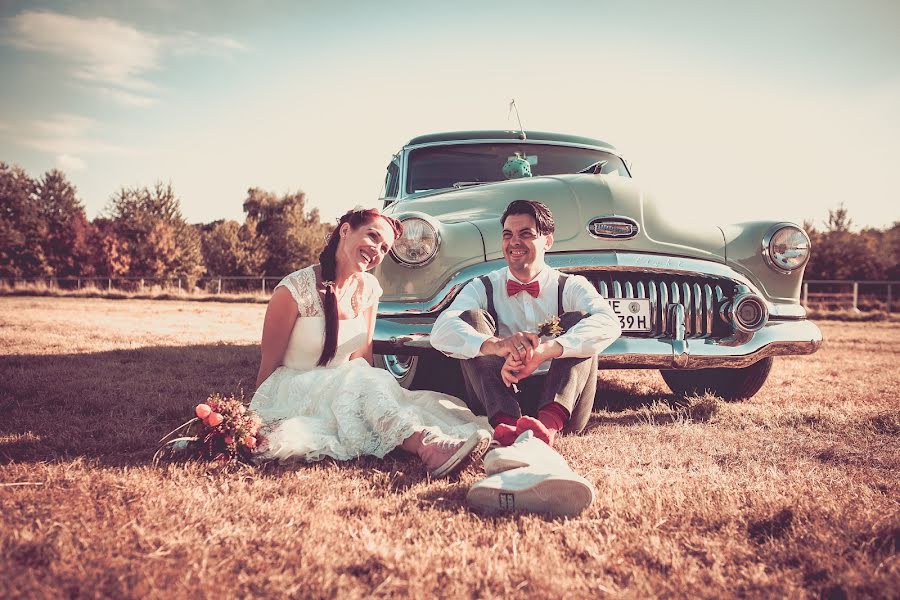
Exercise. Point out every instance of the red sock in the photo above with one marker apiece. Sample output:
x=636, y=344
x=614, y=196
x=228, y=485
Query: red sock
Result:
x=551, y=419
x=554, y=416
x=540, y=430
x=504, y=429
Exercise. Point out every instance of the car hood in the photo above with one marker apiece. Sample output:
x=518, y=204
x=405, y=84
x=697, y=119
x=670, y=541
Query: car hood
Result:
x=575, y=200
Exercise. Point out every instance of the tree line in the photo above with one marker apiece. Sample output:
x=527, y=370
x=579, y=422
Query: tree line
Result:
x=839, y=253
x=45, y=232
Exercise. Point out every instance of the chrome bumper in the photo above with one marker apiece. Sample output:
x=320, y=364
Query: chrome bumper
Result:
x=411, y=335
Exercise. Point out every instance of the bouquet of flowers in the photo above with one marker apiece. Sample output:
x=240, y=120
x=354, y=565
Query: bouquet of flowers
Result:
x=550, y=328
x=224, y=430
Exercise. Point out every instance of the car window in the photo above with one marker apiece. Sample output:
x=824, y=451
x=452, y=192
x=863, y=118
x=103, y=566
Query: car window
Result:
x=437, y=167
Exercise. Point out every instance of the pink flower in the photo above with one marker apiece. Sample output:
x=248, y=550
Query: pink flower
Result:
x=202, y=410
x=250, y=441
x=229, y=440
x=214, y=419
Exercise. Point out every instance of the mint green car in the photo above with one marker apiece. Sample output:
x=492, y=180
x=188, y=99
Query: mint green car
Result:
x=710, y=307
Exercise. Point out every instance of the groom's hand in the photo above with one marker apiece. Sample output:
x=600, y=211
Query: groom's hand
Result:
x=515, y=370
x=519, y=345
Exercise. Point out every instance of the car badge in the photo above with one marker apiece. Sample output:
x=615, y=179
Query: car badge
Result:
x=613, y=228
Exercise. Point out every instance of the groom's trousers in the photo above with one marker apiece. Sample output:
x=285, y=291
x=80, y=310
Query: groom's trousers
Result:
x=570, y=382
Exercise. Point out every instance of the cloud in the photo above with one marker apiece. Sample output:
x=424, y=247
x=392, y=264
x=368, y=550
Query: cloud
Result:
x=126, y=98
x=190, y=42
x=68, y=136
x=115, y=58
x=67, y=162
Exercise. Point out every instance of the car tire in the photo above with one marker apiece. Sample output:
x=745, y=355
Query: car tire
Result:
x=424, y=372
x=728, y=384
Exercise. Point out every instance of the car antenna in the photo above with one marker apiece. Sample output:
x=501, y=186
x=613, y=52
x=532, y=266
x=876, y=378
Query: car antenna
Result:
x=512, y=105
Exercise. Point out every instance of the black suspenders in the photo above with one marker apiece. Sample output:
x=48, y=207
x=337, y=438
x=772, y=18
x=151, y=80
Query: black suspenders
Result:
x=489, y=292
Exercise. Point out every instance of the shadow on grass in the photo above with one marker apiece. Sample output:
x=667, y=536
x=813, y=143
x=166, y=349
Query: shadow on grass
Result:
x=111, y=406
x=624, y=405
x=114, y=406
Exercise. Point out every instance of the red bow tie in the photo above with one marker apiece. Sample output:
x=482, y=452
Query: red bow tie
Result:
x=514, y=287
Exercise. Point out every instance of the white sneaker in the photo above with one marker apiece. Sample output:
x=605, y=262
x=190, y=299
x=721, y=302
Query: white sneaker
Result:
x=526, y=451
x=528, y=489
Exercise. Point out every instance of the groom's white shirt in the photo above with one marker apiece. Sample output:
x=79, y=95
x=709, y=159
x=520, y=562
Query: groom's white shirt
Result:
x=455, y=338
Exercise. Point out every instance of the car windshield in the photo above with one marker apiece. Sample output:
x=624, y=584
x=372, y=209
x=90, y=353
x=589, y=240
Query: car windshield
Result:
x=437, y=167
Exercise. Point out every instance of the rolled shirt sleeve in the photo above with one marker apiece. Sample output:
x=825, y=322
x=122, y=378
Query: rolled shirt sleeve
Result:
x=593, y=334
x=453, y=336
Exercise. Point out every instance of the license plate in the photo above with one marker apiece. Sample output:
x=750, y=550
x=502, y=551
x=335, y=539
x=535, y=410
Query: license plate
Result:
x=633, y=313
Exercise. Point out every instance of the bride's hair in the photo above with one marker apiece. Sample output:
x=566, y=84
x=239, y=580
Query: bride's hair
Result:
x=328, y=263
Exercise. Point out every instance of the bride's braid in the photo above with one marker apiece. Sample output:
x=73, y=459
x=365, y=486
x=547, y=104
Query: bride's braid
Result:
x=328, y=265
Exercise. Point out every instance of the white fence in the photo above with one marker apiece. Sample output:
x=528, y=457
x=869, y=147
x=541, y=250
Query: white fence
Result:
x=819, y=294
x=210, y=285
x=849, y=295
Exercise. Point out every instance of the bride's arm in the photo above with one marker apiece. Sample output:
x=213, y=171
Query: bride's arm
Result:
x=366, y=351
x=281, y=315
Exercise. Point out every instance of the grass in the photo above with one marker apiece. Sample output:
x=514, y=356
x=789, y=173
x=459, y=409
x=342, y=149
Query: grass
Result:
x=794, y=493
x=148, y=292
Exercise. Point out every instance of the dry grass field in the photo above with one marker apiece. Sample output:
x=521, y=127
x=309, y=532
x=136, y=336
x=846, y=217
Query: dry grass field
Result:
x=792, y=494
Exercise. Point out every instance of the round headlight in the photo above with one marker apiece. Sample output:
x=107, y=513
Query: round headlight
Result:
x=786, y=248
x=419, y=242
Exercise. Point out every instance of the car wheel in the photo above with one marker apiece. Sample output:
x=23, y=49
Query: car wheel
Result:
x=424, y=372
x=728, y=384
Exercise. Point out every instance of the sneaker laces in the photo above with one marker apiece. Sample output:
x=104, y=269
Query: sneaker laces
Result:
x=437, y=444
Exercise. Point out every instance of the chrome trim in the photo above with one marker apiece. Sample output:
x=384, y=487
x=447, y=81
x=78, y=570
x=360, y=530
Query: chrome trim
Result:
x=766, y=250
x=733, y=307
x=680, y=350
x=576, y=262
x=777, y=338
x=622, y=220
x=435, y=225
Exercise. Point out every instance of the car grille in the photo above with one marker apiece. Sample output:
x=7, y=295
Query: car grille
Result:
x=700, y=296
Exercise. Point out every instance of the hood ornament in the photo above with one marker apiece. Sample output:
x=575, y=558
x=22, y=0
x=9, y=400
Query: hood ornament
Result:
x=613, y=228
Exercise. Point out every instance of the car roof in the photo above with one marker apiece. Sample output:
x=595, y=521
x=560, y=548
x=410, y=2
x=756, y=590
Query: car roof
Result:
x=506, y=134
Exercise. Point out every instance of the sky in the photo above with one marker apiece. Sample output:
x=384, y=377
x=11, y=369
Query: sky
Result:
x=727, y=111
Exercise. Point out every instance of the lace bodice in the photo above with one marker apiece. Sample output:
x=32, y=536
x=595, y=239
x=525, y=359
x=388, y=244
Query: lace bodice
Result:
x=308, y=334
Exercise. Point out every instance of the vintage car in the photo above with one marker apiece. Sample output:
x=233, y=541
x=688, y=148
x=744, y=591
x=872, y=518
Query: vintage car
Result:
x=708, y=306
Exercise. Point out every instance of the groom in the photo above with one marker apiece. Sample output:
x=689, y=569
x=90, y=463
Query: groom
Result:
x=493, y=327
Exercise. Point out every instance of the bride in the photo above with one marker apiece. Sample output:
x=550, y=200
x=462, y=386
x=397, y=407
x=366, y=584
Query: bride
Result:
x=317, y=393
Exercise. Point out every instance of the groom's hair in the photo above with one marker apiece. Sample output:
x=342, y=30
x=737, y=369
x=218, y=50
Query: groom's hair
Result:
x=543, y=218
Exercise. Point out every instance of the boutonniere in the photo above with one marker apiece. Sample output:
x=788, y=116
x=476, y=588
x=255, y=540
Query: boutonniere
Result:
x=550, y=327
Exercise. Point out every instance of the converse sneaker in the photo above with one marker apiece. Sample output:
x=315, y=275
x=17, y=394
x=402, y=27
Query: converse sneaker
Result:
x=528, y=489
x=526, y=451
x=443, y=454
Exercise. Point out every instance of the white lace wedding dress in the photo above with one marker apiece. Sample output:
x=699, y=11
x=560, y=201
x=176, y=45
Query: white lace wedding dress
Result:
x=347, y=408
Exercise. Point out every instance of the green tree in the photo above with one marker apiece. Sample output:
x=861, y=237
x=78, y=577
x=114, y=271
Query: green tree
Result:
x=839, y=253
x=66, y=242
x=110, y=254
x=23, y=227
x=293, y=237
x=222, y=247
x=149, y=223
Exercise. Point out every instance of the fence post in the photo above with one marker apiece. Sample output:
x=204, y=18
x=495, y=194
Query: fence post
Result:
x=805, y=302
x=887, y=306
x=263, y=279
x=109, y=285
x=79, y=283
x=179, y=283
x=855, y=295
x=219, y=291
